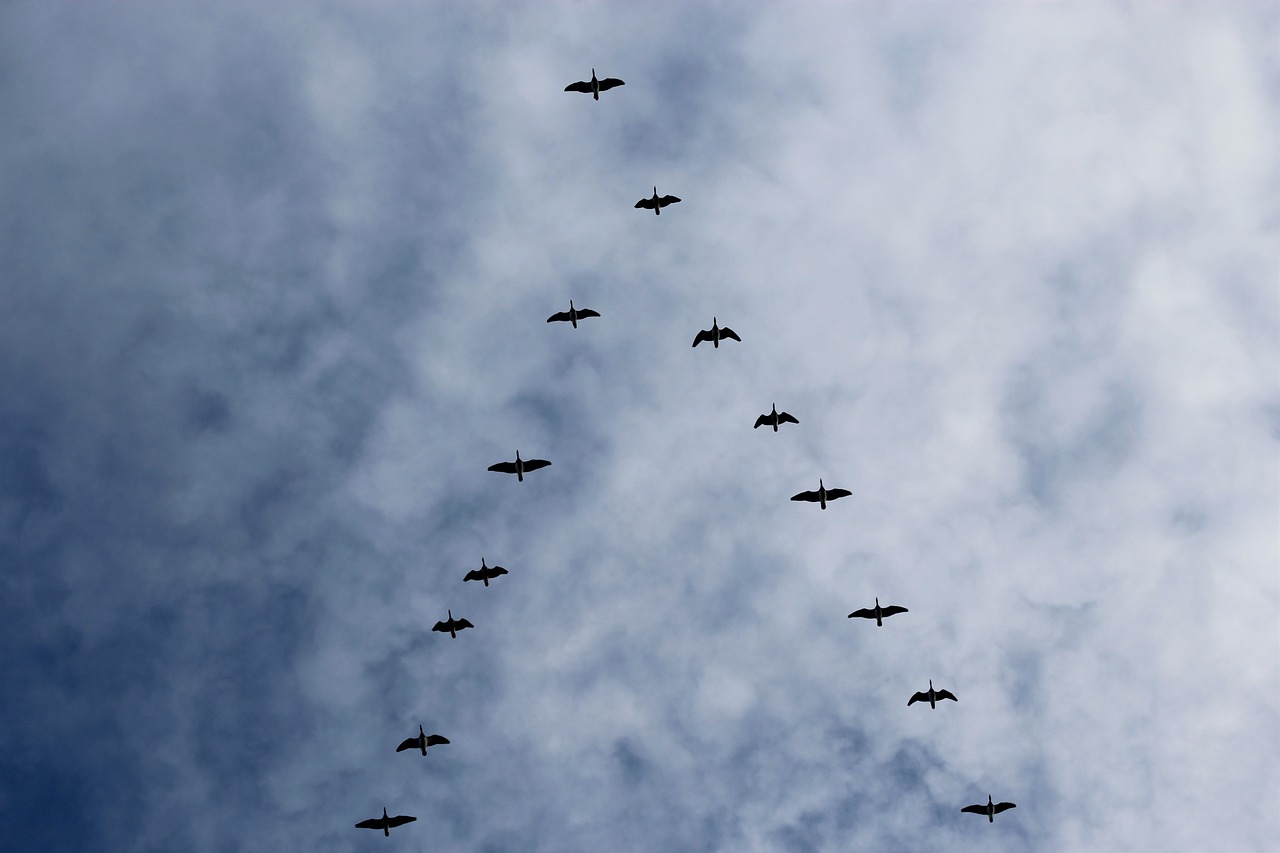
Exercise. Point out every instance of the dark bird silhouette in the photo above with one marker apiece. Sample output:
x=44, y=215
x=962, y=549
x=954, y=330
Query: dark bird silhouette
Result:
x=519, y=466
x=453, y=626
x=932, y=696
x=484, y=573
x=774, y=418
x=716, y=334
x=822, y=495
x=656, y=203
x=876, y=612
x=990, y=809
x=422, y=741
x=594, y=87
x=572, y=315
x=385, y=823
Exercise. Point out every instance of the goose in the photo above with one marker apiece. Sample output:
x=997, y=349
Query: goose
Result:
x=656, y=203
x=519, y=466
x=822, y=495
x=484, y=573
x=932, y=696
x=990, y=809
x=572, y=315
x=453, y=626
x=715, y=334
x=422, y=741
x=774, y=418
x=595, y=87
x=876, y=612
x=385, y=823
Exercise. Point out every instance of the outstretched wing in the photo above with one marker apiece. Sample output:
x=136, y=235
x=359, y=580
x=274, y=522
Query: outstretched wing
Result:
x=610, y=82
x=647, y=203
x=400, y=820
x=667, y=199
x=494, y=571
x=473, y=575
x=726, y=332
x=462, y=623
x=918, y=697
x=947, y=694
x=580, y=86
x=371, y=823
x=704, y=335
x=785, y=418
x=506, y=467
x=440, y=626
x=891, y=610
x=832, y=494
x=587, y=312
x=979, y=809
x=563, y=315
x=436, y=740
x=1003, y=807
x=408, y=743
x=809, y=496
x=535, y=464
x=864, y=613
x=761, y=421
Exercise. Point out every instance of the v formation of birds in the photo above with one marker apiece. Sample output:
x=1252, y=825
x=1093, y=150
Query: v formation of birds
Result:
x=717, y=333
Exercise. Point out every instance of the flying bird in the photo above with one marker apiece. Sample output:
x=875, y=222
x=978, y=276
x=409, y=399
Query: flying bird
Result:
x=385, y=823
x=716, y=334
x=990, y=809
x=594, y=87
x=519, y=466
x=876, y=612
x=822, y=495
x=484, y=573
x=932, y=696
x=656, y=203
x=422, y=741
x=453, y=626
x=774, y=418
x=572, y=315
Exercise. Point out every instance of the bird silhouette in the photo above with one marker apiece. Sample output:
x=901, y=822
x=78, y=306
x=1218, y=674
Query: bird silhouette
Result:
x=594, y=87
x=572, y=315
x=422, y=741
x=932, y=696
x=716, y=334
x=385, y=823
x=774, y=418
x=822, y=495
x=519, y=466
x=484, y=573
x=656, y=203
x=876, y=612
x=453, y=626
x=990, y=809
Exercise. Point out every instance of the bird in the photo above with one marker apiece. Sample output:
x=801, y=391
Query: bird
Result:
x=990, y=809
x=774, y=418
x=932, y=696
x=484, y=573
x=874, y=612
x=385, y=823
x=656, y=204
x=594, y=87
x=572, y=315
x=822, y=495
x=519, y=466
x=422, y=741
x=453, y=626
x=715, y=334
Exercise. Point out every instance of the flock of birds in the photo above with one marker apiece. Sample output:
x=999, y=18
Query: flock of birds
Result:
x=717, y=333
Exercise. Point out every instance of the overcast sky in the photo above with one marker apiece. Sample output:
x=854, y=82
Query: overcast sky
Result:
x=273, y=289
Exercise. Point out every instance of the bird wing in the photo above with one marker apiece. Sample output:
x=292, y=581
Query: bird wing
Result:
x=506, y=467
x=436, y=740
x=761, y=421
x=580, y=86
x=535, y=464
x=947, y=694
x=610, y=82
x=892, y=609
x=725, y=331
x=808, y=496
x=832, y=494
x=667, y=199
x=862, y=613
x=587, y=312
x=494, y=571
x=371, y=823
x=917, y=697
x=647, y=203
x=1003, y=807
x=562, y=315
x=440, y=626
x=407, y=743
x=704, y=335
x=783, y=417
x=474, y=575
x=979, y=809
x=463, y=623
x=400, y=820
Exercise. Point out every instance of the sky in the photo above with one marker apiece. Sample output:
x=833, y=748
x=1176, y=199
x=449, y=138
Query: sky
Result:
x=274, y=283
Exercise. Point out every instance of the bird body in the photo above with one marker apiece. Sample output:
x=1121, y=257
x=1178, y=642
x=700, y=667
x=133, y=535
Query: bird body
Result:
x=822, y=495
x=484, y=573
x=422, y=741
x=774, y=418
x=594, y=87
x=932, y=696
x=991, y=809
x=716, y=334
x=877, y=613
x=519, y=466
x=385, y=822
x=656, y=203
x=453, y=626
x=572, y=315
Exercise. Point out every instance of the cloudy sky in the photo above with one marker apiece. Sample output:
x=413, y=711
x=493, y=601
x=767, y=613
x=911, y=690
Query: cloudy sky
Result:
x=274, y=282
